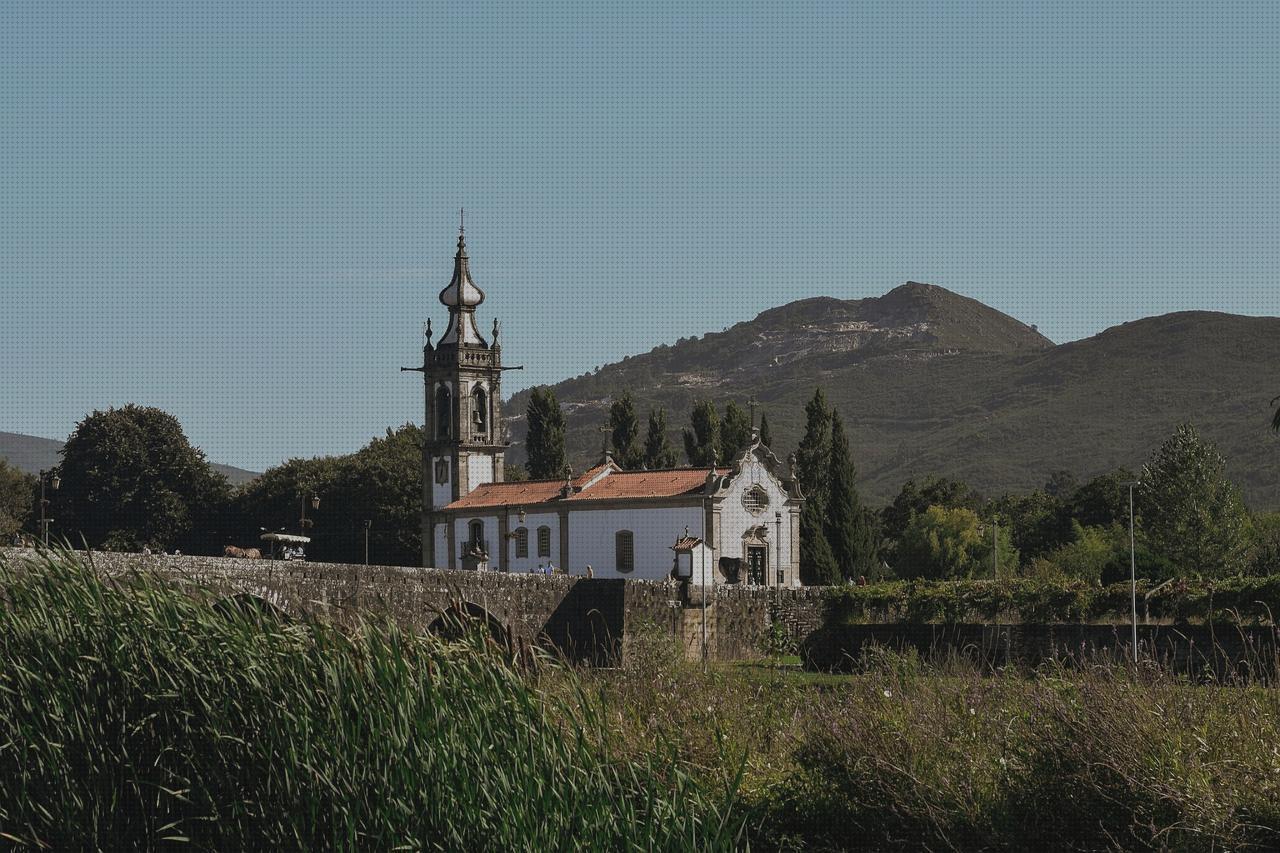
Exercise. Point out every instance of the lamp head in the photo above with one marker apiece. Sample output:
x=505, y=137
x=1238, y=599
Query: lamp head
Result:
x=56, y=482
x=315, y=502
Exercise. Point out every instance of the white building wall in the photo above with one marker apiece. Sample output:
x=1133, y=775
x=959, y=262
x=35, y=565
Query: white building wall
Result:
x=441, y=537
x=441, y=493
x=735, y=518
x=592, y=539
x=532, y=522
x=479, y=470
x=462, y=535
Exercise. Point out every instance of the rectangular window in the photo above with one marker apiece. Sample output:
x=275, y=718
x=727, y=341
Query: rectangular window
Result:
x=625, y=557
x=522, y=542
x=544, y=541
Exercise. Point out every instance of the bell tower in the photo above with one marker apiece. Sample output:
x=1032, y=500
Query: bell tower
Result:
x=466, y=440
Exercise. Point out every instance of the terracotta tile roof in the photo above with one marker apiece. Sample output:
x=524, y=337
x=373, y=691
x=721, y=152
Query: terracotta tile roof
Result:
x=646, y=484
x=509, y=494
x=618, y=485
x=686, y=543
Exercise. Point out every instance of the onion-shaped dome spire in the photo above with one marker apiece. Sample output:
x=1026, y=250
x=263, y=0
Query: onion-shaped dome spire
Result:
x=462, y=291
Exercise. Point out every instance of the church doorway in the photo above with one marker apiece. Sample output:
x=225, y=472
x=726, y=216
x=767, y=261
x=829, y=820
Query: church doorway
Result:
x=757, y=564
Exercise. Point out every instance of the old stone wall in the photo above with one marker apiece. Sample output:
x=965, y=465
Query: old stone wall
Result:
x=588, y=619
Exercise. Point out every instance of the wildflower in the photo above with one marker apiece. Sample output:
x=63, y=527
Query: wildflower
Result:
x=887, y=693
x=973, y=712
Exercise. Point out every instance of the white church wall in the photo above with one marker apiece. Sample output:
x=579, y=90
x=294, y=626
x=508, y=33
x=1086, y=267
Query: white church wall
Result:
x=735, y=518
x=440, y=535
x=441, y=493
x=592, y=539
x=462, y=535
x=532, y=522
x=479, y=469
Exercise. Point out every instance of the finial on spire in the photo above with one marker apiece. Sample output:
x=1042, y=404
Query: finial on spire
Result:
x=426, y=330
x=495, y=330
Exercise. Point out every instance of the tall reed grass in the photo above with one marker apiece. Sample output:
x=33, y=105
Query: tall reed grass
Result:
x=137, y=716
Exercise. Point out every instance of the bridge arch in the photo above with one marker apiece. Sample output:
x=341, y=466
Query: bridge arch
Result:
x=455, y=620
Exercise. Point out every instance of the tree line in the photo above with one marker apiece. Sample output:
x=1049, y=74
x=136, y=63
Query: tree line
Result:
x=130, y=479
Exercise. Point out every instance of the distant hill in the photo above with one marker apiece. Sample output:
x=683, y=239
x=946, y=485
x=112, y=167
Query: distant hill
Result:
x=32, y=454
x=931, y=382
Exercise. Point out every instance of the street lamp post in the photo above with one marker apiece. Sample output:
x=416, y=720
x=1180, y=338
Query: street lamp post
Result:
x=304, y=522
x=995, y=549
x=55, y=482
x=1133, y=570
x=777, y=553
x=368, y=522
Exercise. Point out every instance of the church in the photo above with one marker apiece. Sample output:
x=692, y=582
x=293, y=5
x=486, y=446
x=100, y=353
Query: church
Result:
x=736, y=524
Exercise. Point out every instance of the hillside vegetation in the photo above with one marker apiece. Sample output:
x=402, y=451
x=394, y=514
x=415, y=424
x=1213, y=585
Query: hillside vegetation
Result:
x=930, y=383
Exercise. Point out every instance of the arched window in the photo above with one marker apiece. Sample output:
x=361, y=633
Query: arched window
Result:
x=522, y=541
x=544, y=541
x=476, y=537
x=444, y=412
x=479, y=409
x=625, y=547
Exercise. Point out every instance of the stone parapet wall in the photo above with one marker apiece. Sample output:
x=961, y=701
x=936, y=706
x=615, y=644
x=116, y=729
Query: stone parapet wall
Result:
x=587, y=619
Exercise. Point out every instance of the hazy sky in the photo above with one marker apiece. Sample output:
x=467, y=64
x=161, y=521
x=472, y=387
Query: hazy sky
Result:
x=242, y=212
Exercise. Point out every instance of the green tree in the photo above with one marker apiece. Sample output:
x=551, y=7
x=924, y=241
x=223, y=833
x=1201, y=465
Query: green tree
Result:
x=624, y=427
x=544, y=442
x=735, y=433
x=658, y=452
x=17, y=496
x=130, y=478
x=273, y=501
x=1192, y=514
x=850, y=530
x=1275, y=419
x=914, y=498
x=1102, y=501
x=1037, y=521
x=766, y=434
x=950, y=542
x=514, y=473
x=702, y=440
x=817, y=561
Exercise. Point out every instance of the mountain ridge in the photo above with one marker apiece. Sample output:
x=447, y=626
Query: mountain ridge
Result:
x=930, y=382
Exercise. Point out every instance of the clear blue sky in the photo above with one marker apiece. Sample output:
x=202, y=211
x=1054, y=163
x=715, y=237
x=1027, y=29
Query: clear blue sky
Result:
x=242, y=212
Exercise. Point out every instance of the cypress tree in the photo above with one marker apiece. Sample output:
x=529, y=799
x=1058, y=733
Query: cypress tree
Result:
x=817, y=563
x=545, y=440
x=624, y=426
x=849, y=528
x=658, y=452
x=735, y=433
x=701, y=441
x=766, y=435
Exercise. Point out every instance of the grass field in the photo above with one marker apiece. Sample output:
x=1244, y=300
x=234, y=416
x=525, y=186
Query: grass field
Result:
x=136, y=716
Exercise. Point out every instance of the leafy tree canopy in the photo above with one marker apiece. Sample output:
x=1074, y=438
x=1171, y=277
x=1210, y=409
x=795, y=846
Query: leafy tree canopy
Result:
x=950, y=542
x=130, y=478
x=17, y=497
x=1192, y=514
x=914, y=498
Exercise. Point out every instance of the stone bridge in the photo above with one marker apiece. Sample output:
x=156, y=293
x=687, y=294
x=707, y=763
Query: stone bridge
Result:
x=588, y=620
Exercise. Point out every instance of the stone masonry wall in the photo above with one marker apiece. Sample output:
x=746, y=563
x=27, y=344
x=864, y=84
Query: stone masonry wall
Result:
x=586, y=619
